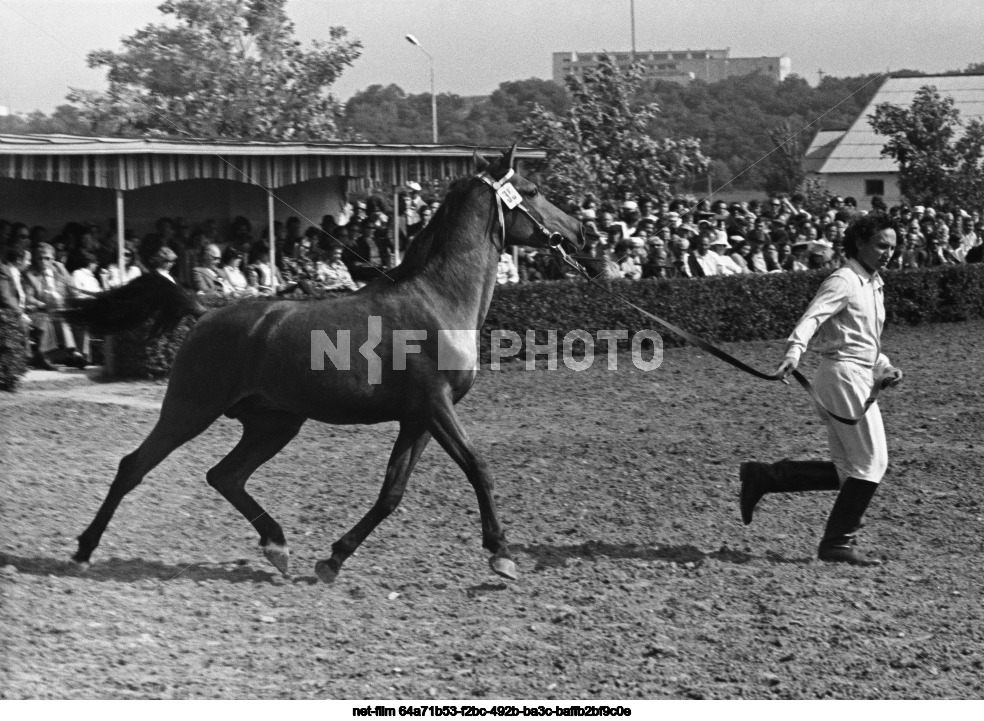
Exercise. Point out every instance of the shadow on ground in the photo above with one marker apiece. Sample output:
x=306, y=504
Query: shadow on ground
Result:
x=551, y=556
x=137, y=569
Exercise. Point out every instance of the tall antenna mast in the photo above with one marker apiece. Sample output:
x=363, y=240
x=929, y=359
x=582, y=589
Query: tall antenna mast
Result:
x=632, y=12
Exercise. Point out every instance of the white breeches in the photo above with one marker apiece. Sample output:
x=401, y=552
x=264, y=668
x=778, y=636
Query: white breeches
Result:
x=858, y=451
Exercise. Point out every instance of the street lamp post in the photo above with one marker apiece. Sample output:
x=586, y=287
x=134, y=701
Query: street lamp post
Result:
x=413, y=41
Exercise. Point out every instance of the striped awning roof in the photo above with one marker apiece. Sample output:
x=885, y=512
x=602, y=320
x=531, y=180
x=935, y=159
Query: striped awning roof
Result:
x=130, y=163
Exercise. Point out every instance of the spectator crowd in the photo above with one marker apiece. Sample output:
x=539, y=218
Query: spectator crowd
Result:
x=643, y=238
x=635, y=238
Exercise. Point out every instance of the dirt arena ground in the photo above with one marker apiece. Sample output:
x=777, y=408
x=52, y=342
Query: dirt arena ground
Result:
x=618, y=490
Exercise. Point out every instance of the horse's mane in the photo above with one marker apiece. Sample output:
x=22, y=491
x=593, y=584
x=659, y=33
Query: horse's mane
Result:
x=429, y=243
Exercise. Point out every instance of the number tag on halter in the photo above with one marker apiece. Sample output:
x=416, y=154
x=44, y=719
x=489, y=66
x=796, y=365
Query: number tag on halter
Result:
x=509, y=195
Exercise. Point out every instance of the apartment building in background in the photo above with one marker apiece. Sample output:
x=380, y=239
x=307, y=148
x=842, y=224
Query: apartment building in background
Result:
x=678, y=66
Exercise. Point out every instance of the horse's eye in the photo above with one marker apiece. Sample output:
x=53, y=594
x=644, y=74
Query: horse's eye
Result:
x=534, y=191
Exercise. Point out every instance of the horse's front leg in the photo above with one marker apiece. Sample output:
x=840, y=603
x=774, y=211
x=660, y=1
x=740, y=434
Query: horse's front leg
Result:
x=446, y=429
x=410, y=443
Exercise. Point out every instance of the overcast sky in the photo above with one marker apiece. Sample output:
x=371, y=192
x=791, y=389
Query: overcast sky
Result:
x=478, y=44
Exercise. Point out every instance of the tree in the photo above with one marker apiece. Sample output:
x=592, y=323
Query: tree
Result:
x=784, y=163
x=515, y=99
x=603, y=145
x=222, y=68
x=967, y=183
x=920, y=140
x=390, y=115
x=65, y=119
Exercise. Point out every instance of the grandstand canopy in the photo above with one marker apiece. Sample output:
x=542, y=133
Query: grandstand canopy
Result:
x=131, y=163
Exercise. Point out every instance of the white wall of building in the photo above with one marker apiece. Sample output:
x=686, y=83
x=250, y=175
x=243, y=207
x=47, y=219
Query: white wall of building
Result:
x=854, y=185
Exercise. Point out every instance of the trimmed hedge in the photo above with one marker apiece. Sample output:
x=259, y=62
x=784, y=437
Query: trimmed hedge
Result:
x=733, y=308
x=13, y=354
x=723, y=309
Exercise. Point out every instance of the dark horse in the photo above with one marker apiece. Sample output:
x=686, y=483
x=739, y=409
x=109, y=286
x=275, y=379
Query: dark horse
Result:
x=273, y=364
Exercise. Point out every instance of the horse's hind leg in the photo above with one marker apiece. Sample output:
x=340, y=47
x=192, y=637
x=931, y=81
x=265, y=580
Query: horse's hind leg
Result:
x=265, y=433
x=172, y=430
x=447, y=430
x=410, y=443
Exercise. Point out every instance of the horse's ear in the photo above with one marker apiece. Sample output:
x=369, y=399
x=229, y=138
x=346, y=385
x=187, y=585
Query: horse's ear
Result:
x=481, y=164
x=510, y=154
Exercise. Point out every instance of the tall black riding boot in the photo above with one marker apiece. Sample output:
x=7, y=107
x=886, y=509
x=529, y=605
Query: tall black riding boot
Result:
x=837, y=545
x=786, y=476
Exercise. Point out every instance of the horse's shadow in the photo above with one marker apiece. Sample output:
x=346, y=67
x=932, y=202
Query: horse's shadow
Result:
x=552, y=556
x=137, y=569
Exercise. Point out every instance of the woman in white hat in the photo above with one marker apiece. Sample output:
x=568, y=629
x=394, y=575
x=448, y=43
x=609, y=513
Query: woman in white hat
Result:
x=721, y=246
x=847, y=315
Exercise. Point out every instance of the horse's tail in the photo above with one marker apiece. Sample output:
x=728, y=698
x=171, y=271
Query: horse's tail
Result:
x=149, y=297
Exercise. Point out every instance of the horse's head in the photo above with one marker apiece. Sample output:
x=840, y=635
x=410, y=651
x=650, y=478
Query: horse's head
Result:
x=535, y=221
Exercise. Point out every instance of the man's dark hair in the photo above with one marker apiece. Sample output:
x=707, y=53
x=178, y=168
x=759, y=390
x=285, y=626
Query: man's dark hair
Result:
x=864, y=228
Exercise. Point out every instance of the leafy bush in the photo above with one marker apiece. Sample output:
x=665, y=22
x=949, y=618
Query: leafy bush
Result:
x=725, y=309
x=136, y=356
x=13, y=358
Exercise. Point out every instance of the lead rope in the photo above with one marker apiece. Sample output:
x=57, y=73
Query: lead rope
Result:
x=718, y=353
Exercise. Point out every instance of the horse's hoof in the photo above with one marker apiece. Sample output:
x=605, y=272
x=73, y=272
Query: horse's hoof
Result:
x=504, y=567
x=278, y=555
x=79, y=566
x=325, y=572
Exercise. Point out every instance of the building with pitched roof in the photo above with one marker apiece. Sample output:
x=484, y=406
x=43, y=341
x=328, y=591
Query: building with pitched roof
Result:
x=852, y=164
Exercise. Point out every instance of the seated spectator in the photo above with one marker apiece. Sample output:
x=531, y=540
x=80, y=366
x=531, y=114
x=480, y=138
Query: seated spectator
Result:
x=231, y=269
x=46, y=285
x=259, y=274
x=647, y=209
x=756, y=257
x=784, y=251
x=681, y=258
x=13, y=263
x=702, y=261
x=301, y=269
x=954, y=251
x=644, y=229
x=659, y=261
x=725, y=265
x=85, y=284
x=968, y=235
x=771, y=253
x=508, y=272
x=110, y=275
x=739, y=256
x=332, y=273
x=615, y=236
x=162, y=262
x=628, y=261
x=84, y=280
x=207, y=278
x=798, y=258
x=912, y=243
x=530, y=270
x=379, y=230
x=819, y=256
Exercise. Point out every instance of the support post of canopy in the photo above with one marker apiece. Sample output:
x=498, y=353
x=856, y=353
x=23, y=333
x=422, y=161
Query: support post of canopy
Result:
x=396, y=224
x=120, y=235
x=273, y=240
